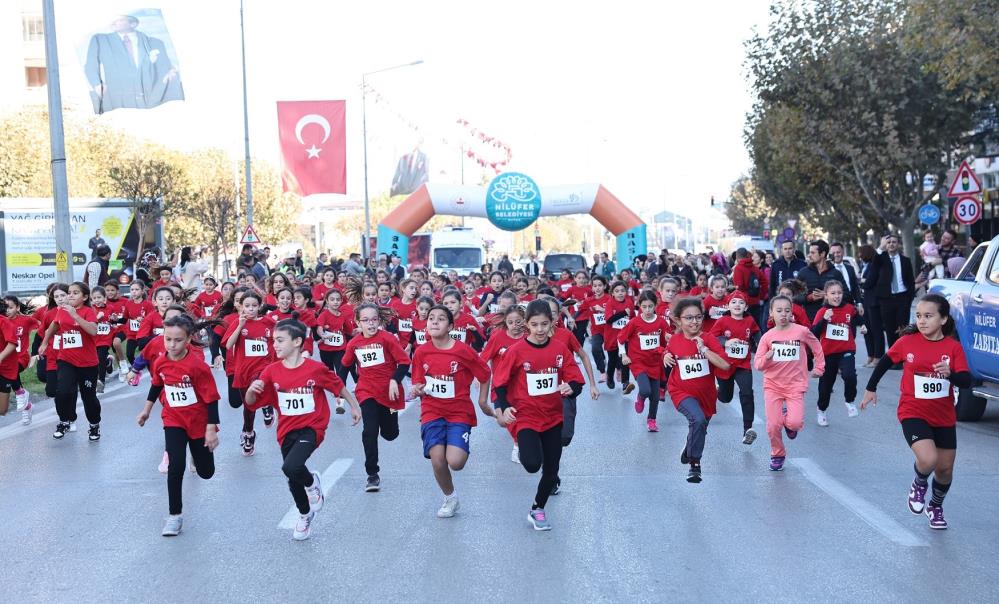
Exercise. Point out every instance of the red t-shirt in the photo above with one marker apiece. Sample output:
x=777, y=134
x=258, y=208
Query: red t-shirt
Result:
x=925, y=395
x=740, y=329
x=499, y=342
x=208, y=303
x=339, y=329
x=135, y=312
x=596, y=318
x=105, y=331
x=76, y=346
x=253, y=350
x=645, y=340
x=188, y=389
x=419, y=332
x=319, y=291
x=837, y=336
x=714, y=309
x=611, y=329
x=532, y=375
x=116, y=314
x=406, y=312
x=152, y=325
x=299, y=395
x=463, y=324
x=377, y=359
x=693, y=375
x=8, y=335
x=23, y=326
x=447, y=376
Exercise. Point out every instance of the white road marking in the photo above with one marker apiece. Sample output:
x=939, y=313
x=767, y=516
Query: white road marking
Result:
x=877, y=519
x=48, y=416
x=332, y=474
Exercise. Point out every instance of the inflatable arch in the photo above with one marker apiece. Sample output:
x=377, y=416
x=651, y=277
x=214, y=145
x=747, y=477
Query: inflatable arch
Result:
x=512, y=202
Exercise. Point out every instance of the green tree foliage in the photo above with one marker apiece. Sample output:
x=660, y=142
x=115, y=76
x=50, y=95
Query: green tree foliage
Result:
x=150, y=186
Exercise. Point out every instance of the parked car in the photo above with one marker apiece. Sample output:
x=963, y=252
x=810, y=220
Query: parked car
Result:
x=556, y=263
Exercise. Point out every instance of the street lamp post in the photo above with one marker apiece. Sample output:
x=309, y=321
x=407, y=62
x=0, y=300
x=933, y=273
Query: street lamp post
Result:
x=364, y=133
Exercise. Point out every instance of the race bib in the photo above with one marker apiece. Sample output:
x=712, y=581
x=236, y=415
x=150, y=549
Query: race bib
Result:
x=56, y=342
x=177, y=396
x=786, y=352
x=565, y=287
x=835, y=331
x=333, y=338
x=296, y=403
x=369, y=357
x=736, y=350
x=928, y=387
x=72, y=339
x=133, y=324
x=620, y=323
x=439, y=388
x=406, y=325
x=103, y=329
x=421, y=337
x=208, y=311
x=540, y=384
x=649, y=342
x=598, y=318
x=692, y=368
x=17, y=349
x=494, y=308
x=157, y=331
x=255, y=348
x=458, y=334
x=716, y=312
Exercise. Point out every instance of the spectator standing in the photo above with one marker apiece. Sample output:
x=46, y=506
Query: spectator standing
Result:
x=893, y=282
x=815, y=275
x=750, y=280
x=786, y=267
x=875, y=336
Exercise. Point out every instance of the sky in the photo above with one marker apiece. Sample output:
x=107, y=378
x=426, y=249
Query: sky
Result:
x=647, y=98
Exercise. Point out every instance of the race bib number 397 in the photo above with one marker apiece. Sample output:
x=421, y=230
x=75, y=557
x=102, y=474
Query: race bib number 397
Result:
x=540, y=384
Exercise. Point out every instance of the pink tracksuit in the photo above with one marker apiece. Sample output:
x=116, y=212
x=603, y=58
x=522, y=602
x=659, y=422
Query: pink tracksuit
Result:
x=785, y=379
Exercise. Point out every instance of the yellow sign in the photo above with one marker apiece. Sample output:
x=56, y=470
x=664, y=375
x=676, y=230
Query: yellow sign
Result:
x=62, y=261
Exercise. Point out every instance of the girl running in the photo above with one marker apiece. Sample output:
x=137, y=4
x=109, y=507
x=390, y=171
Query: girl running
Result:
x=248, y=341
x=209, y=299
x=617, y=312
x=382, y=366
x=48, y=367
x=465, y=328
x=933, y=363
x=499, y=342
x=334, y=327
x=405, y=310
x=782, y=359
x=19, y=315
x=597, y=322
x=8, y=362
x=443, y=371
x=643, y=340
x=834, y=325
x=716, y=303
x=793, y=290
x=105, y=333
x=693, y=353
x=136, y=309
x=184, y=385
x=115, y=305
x=531, y=382
x=295, y=387
x=739, y=333
x=306, y=309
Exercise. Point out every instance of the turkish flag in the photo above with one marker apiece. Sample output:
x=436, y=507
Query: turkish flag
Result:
x=313, y=146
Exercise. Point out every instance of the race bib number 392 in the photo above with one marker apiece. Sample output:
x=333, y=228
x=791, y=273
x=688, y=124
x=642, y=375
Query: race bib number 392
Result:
x=369, y=357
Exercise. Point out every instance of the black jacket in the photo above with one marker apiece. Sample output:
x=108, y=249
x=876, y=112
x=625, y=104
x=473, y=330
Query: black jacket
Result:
x=881, y=273
x=813, y=280
x=780, y=272
x=853, y=294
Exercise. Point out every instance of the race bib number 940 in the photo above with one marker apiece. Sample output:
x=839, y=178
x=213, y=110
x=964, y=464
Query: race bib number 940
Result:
x=540, y=384
x=693, y=368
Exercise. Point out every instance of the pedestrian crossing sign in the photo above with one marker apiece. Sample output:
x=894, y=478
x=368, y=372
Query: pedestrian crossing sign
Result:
x=249, y=236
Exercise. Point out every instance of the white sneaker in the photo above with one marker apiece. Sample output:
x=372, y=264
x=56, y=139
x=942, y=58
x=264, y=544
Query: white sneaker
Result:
x=22, y=400
x=26, y=414
x=515, y=455
x=851, y=410
x=100, y=387
x=122, y=376
x=72, y=426
x=449, y=507
x=165, y=463
x=172, y=526
x=315, y=493
x=303, y=528
x=822, y=419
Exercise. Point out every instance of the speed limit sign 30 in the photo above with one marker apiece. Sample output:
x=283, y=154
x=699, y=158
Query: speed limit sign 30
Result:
x=967, y=210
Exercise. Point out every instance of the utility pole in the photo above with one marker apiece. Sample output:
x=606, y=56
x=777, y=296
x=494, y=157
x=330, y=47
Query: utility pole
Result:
x=60, y=187
x=246, y=124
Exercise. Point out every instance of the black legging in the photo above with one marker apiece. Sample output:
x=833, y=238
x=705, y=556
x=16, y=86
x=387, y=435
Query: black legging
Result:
x=296, y=448
x=70, y=380
x=177, y=442
x=102, y=362
x=726, y=390
x=377, y=419
x=614, y=362
x=333, y=359
x=235, y=400
x=541, y=451
x=648, y=389
x=597, y=349
x=130, y=348
x=215, y=344
x=51, y=379
x=580, y=331
x=842, y=363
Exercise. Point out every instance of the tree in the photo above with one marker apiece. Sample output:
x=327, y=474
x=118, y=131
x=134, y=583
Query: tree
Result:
x=149, y=185
x=207, y=214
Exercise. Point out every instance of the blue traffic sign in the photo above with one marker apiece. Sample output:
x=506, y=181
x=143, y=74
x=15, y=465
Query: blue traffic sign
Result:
x=929, y=214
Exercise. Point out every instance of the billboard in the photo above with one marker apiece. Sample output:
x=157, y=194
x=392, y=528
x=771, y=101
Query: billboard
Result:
x=27, y=237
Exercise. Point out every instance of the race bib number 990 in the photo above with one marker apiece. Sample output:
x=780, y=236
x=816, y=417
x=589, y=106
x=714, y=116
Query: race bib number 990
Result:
x=693, y=368
x=786, y=352
x=438, y=388
x=928, y=387
x=255, y=348
x=296, y=403
x=369, y=357
x=177, y=396
x=540, y=384
x=835, y=331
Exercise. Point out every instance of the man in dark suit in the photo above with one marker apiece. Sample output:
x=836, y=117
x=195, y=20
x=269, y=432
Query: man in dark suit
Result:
x=891, y=279
x=852, y=294
x=396, y=270
x=533, y=268
x=127, y=68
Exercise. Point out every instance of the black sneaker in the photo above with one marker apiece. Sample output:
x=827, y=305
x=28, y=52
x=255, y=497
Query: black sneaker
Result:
x=268, y=413
x=61, y=429
x=694, y=473
x=247, y=441
x=373, y=485
x=683, y=457
x=94, y=434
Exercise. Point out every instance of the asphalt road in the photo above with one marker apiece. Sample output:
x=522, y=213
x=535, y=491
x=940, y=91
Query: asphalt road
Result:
x=81, y=521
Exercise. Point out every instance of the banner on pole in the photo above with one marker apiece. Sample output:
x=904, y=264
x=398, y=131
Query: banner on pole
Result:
x=313, y=146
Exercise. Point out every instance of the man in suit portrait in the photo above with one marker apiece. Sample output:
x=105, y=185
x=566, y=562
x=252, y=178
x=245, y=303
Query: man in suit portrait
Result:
x=129, y=69
x=891, y=279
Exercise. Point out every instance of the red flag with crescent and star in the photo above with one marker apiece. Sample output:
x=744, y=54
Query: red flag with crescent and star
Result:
x=313, y=146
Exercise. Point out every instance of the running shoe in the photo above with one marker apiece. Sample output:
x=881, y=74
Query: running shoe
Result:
x=26, y=414
x=557, y=487
x=652, y=425
x=247, y=440
x=172, y=526
x=268, y=413
x=72, y=426
x=935, y=514
x=694, y=473
x=683, y=457
x=610, y=383
x=749, y=437
x=135, y=379
x=628, y=389
x=164, y=463
x=61, y=429
x=449, y=507
x=539, y=520
x=303, y=528
x=821, y=419
x=122, y=376
x=373, y=485
x=340, y=409
x=851, y=410
x=791, y=434
x=917, y=498
x=639, y=405
x=94, y=433
x=22, y=398
x=515, y=454
x=602, y=379
x=315, y=493
x=776, y=463
x=100, y=387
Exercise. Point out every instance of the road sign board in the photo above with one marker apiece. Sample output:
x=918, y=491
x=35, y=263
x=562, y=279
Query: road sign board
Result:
x=788, y=234
x=929, y=214
x=249, y=236
x=967, y=210
x=62, y=261
x=965, y=182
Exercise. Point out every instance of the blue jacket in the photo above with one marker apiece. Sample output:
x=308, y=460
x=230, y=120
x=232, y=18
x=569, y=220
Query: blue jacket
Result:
x=780, y=271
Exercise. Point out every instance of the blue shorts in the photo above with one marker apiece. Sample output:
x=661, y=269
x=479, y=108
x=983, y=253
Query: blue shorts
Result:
x=442, y=432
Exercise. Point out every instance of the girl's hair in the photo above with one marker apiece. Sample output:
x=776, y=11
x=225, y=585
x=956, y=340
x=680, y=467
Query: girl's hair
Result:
x=52, y=290
x=665, y=280
x=833, y=283
x=293, y=327
x=599, y=278
x=269, y=286
x=447, y=313
x=307, y=294
x=99, y=290
x=164, y=288
x=252, y=293
x=187, y=294
x=648, y=295
x=618, y=284
x=507, y=295
x=385, y=314
x=495, y=274
x=515, y=309
x=403, y=285
x=425, y=300
x=195, y=326
x=685, y=303
x=796, y=286
x=229, y=304
x=583, y=273
x=112, y=283
x=353, y=290
x=943, y=307
x=451, y=292
x=785, y=298
x=211, y=280
x=22, y=307
x=182, y=321
x=539, y=308
x=83, y=287
x=718, y=279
